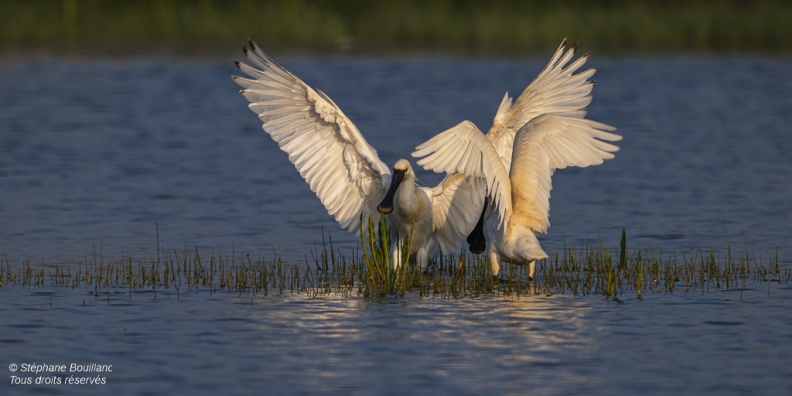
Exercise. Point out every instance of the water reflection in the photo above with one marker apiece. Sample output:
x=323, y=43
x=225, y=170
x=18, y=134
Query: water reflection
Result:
x=479, y=341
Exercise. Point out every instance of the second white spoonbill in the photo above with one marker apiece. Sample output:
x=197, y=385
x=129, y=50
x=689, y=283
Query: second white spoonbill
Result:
x=521, y=193
x=556, y=90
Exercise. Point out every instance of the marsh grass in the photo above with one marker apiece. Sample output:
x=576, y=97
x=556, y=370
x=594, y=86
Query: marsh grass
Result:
x=383, y=277
x=589, y=270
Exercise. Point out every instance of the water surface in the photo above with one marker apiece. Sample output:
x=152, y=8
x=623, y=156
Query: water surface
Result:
x=724, y=342
x=96, y=155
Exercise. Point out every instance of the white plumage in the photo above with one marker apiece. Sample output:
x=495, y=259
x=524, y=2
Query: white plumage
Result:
x=542, y=131
x=346, y=173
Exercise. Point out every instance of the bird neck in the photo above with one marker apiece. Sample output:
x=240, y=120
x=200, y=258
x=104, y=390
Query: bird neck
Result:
x=408, y=200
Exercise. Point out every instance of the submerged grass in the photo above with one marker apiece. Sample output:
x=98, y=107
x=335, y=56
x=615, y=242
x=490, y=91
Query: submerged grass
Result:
x=598, y=270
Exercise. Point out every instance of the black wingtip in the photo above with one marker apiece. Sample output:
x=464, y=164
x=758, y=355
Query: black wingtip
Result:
x=476, y=240
x=476, y=250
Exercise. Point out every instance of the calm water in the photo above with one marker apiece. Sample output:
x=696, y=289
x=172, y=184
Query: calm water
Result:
x=95, y=153
x=218, y=343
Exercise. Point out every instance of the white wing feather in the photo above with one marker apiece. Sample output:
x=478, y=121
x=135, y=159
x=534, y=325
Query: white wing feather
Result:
x=465, y=149
x=456, y=205
x=556, y=90
x=324, y=145
x=547, y=143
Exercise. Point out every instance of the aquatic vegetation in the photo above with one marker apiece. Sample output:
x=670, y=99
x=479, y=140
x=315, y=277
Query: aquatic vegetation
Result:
x=383, y=277
x=589, y=270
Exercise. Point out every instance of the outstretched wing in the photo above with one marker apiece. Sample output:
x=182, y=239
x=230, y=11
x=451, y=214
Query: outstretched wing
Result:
x=456, y=205
x=325, y=146
x=556, y=90
x=465, y=149
x=547, y=143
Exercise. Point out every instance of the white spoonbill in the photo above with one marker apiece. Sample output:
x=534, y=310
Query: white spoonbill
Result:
x=555, y=91
x=520, y=194
x=346, y=173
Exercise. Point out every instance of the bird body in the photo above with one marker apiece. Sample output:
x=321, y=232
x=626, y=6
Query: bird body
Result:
x=521, y=195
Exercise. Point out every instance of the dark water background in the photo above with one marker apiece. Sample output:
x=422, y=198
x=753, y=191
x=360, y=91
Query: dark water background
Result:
x=96, y=153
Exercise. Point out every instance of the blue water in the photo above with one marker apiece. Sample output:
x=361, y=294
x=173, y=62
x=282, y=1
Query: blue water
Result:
x=103, y=155
x=724, y=342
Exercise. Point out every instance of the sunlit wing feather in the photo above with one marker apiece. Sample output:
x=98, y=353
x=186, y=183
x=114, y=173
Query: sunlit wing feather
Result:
x=547, y=143
x=465, y=149
x=456, y=205
x=325, y=146
x=556, y=90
